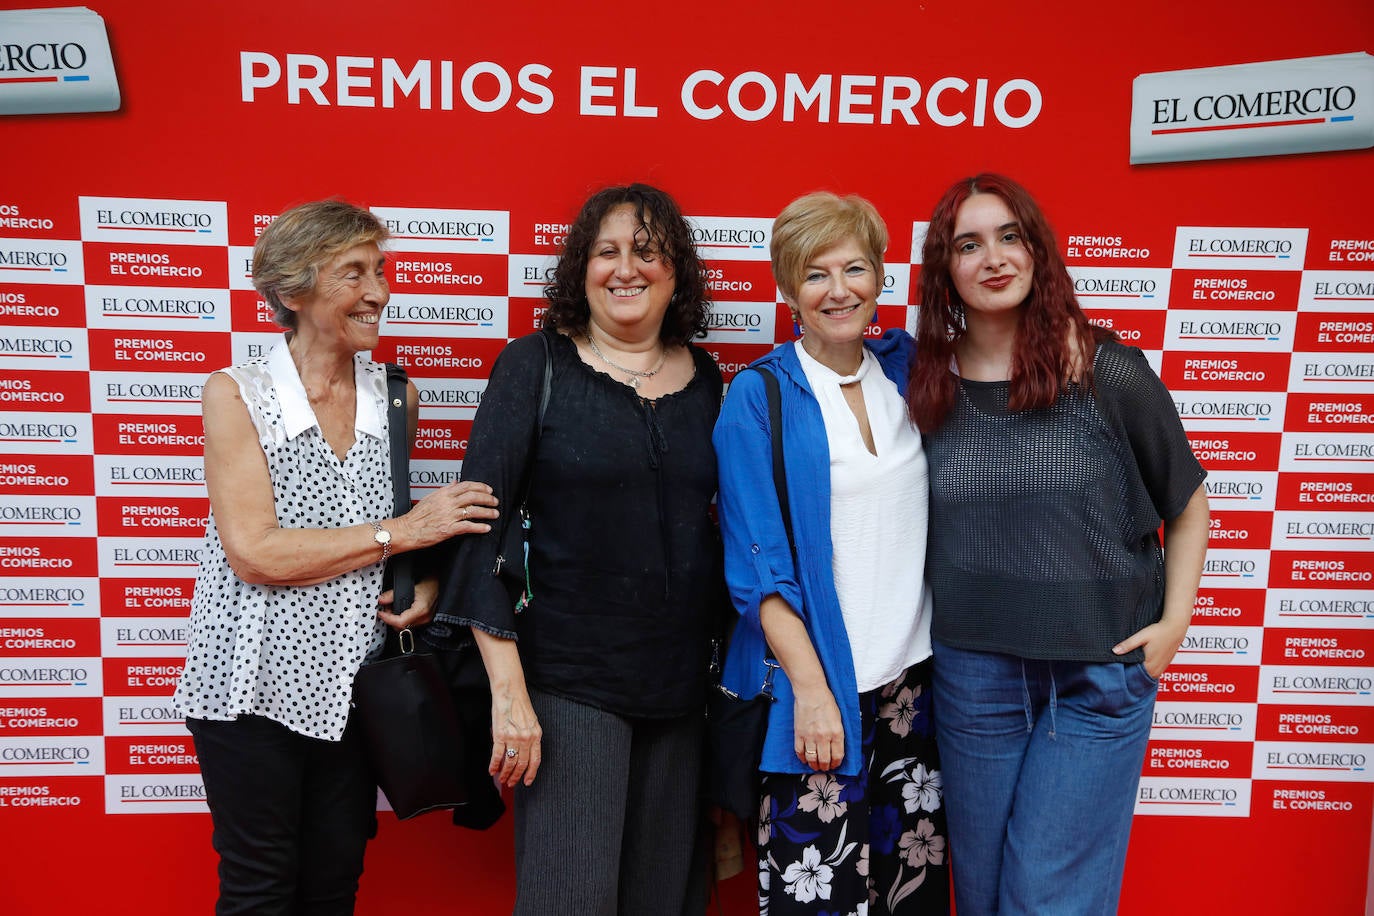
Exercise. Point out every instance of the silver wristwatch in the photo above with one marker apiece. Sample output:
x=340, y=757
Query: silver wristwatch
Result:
x=383, y=537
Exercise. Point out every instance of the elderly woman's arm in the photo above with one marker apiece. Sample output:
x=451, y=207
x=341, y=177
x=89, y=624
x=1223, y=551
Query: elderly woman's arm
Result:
x=260, y=551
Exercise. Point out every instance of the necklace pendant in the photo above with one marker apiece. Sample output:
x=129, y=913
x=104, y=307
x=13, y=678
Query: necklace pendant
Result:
x=634, y=382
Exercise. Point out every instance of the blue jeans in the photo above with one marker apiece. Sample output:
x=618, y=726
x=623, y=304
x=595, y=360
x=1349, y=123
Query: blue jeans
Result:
x=1041, y=762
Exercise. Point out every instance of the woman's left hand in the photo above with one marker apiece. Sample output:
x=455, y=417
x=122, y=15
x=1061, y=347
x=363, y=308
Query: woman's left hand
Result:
x=420, y=612
x=1161, y=641
x=1185, y=547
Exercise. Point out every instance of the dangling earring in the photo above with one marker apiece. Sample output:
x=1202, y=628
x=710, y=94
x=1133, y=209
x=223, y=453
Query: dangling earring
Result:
x=796, y=324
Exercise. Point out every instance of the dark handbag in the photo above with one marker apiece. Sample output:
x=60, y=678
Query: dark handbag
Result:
x=736, y=726
x=735, y=729
x=409, y=725
x=411, y=731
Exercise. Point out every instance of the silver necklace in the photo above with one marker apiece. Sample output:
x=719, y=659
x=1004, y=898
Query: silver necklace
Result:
x=634, y=374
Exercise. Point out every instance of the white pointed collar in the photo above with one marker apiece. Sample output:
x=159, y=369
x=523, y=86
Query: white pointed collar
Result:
x=297, y=415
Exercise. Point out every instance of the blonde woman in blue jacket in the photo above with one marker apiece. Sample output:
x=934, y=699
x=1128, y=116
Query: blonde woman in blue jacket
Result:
x=851, y=813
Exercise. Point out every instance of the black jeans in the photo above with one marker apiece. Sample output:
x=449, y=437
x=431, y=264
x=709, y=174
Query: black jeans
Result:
x=292, y=815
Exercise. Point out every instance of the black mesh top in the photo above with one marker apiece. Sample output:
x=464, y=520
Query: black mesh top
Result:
x=1044, y=523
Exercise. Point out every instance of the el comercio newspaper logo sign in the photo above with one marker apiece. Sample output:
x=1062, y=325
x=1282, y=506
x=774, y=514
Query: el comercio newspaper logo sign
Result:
x=55, y=61
x=1303, y=105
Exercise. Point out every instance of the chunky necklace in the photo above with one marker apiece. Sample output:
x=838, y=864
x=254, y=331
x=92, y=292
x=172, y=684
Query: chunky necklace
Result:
x=634, y=374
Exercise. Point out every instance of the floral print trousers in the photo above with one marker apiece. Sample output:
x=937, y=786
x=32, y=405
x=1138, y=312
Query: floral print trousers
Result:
x=870, y=844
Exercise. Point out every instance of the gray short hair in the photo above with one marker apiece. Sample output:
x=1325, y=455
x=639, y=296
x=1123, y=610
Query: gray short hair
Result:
x=289, y=253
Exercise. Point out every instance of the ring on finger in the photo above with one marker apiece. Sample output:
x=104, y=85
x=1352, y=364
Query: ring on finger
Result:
x=512, y=752
x=465, y=513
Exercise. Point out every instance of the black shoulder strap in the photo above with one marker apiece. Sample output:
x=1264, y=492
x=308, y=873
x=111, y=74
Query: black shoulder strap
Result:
x=770, y=387
x=545, y=388
x=398, y=427
x=770, y=384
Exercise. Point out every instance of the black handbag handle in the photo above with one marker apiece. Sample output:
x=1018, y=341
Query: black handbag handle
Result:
x=398, y=567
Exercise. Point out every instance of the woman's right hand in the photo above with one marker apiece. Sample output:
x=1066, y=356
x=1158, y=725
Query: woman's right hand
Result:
x=514, y=727
x=457, y=508
x=819, y=732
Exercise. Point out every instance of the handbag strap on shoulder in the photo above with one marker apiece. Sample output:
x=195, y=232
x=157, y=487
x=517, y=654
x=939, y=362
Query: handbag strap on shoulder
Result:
x=545, y=388
x=774, y=393
x=398, y=428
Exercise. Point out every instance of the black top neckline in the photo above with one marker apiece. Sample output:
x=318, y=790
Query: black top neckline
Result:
x=692, y=350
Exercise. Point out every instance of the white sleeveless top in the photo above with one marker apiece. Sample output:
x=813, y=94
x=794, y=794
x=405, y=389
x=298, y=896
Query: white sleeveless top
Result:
x=878, y=512
x=290, y=653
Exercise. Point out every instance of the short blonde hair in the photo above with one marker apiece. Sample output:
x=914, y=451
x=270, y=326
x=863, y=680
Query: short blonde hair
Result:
x=289, y=254
x=815, y=222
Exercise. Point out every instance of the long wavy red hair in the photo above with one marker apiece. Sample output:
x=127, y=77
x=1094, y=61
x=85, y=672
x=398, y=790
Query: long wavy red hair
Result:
x=1054, y=341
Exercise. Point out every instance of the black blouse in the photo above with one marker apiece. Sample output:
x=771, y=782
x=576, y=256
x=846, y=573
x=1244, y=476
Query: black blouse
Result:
x=623, y=556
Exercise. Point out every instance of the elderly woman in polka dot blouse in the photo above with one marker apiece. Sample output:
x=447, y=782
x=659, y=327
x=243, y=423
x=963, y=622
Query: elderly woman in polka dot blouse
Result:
x=288, y=602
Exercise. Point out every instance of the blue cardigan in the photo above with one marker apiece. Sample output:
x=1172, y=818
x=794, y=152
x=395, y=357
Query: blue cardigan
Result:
x=758, y=562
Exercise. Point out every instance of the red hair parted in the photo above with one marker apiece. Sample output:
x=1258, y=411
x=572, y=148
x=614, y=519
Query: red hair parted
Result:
x=1054, y=341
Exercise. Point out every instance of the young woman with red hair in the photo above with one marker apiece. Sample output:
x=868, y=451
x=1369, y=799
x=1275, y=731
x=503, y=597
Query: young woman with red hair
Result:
x=1055, y=453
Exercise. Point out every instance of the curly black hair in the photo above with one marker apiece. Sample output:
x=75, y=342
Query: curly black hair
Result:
x=663, y=229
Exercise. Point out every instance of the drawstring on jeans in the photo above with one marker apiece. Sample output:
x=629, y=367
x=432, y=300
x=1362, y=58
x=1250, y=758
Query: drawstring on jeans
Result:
x=1054, y=697
x=1026, y=697
x=1025, y=694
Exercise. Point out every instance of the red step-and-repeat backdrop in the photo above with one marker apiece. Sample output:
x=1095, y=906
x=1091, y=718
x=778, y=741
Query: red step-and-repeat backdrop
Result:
x=1207, y=167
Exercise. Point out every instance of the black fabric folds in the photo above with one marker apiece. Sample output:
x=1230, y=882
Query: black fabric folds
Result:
x=736, y=726
x=411, y=730
x=409, y=723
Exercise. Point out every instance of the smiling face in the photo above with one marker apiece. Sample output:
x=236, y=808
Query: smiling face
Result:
x=628, y=282
x=836, y=299
x=990, y=263
x=345, y=307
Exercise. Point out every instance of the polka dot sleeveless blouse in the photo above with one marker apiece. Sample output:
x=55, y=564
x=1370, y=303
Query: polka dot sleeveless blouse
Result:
x=290, y=653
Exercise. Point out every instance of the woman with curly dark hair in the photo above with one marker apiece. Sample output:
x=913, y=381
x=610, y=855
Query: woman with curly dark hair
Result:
x=598, y=684
x=658, y=227
x=1055, y=453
